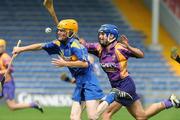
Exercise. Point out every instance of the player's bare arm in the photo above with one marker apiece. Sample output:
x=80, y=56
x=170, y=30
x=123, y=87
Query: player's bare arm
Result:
x=2, y=71
x=62, y=63
x=137, y=52
x=82, y=41
x=32, y=47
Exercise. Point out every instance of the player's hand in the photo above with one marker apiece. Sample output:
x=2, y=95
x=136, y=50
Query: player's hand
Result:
x=17, y=50
x=174, y=53
x=124, y=41
x=59, y=62
x=82, y=41
x=63, y=76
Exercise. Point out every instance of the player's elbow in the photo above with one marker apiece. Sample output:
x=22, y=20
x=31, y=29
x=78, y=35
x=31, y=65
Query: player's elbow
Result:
x=84, y=64
x=38, y=46
x=140, y=55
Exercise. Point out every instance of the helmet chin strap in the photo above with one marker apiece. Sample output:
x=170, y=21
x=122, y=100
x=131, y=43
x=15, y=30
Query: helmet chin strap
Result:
x=70, y=36
x=109, y=40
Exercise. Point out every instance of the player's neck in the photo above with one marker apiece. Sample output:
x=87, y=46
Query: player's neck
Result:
x=64, y=41
x=111, y=45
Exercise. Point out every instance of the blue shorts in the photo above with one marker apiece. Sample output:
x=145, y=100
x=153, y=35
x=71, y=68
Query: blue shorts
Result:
x=86, y=92
x=127, y=85
x=9, y=90
x=87, y=88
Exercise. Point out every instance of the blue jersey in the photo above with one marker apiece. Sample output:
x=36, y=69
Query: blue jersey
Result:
x=71, y=51
x=87, y=85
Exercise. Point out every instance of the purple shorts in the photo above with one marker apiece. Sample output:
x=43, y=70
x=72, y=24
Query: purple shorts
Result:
x=9, y=90
x=127, y=85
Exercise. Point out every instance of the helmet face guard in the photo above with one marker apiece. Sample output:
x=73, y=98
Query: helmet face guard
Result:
x=69, y=33
x=104, y=42
x=109, y=30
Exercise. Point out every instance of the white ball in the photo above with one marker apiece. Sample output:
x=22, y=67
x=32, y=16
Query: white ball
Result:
x=48, y=30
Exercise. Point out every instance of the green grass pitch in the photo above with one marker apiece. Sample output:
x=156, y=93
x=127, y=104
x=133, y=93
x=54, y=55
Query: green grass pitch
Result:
x=62, y=113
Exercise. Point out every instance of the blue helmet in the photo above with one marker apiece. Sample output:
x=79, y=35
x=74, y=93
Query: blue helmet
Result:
x=109, y=29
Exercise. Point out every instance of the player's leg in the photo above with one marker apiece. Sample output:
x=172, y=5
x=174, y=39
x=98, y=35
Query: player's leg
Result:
x=92, y=94
x=114, y=95
x=111, y=110
x=13, y=105
x=9, y=94
x=134, y=107
x=91, y=106
x=94, y=109
x=78, y=104
x=166, y=104
x=76, y=110
x=137, y=111
x=154, y=109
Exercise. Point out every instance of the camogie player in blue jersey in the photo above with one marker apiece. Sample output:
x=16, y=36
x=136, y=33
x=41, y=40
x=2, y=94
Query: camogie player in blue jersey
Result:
x=74, y=56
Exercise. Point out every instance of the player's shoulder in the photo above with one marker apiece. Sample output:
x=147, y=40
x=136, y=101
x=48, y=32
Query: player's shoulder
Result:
x=119, y=46
x=76, y=44
x=97, y=44
x=56, y=42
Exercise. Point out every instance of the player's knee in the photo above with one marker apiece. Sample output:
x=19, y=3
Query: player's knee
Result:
x=106, y=115
x=75, y=117
x=92, y=116
x=11, y=107
x=140, y=116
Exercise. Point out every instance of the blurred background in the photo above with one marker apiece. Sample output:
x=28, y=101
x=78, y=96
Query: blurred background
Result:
x=151, y=25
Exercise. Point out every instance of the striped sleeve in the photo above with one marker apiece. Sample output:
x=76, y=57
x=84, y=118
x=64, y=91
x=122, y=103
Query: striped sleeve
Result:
x=93, y=48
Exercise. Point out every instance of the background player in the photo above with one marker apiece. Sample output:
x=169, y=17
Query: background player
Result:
x=67, y=78
x=113, y=57
x=74, y=56
x=8, y=90
x=174, y=54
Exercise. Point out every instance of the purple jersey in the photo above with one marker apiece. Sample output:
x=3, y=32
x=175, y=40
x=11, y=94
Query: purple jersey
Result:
x=113, y=60
x=4, y=61
x=9, y=86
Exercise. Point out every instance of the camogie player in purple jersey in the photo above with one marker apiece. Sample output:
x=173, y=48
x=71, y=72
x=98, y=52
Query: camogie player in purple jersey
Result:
x=113, y=57
x=8, y=89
